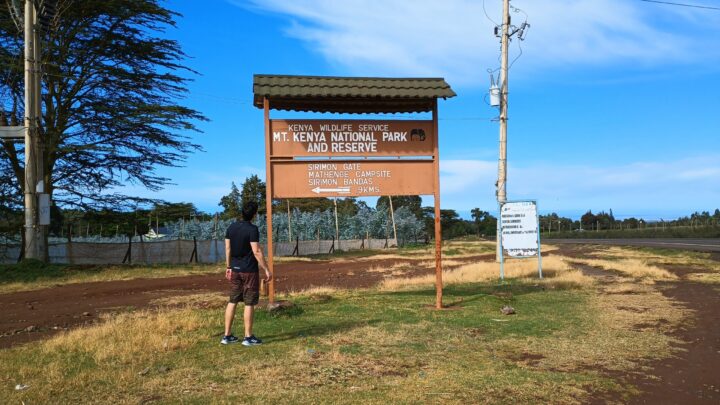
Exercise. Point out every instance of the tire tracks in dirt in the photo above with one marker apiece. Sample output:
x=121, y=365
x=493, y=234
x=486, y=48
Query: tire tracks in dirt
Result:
x=692, y=374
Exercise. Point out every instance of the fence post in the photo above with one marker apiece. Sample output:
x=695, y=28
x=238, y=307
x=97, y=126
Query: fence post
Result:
x=194, y=254
x=128, y=254
x=143, y=253
x=22, y=245
x=70, y=256
x=296, y=251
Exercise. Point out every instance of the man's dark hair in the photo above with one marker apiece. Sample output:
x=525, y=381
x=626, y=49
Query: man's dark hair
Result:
x=249, y=209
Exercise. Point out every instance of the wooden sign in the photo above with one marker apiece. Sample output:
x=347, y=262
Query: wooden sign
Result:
x=351, y=178
x=291, y=138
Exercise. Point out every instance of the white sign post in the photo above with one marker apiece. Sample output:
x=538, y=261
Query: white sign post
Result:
x=520, y=236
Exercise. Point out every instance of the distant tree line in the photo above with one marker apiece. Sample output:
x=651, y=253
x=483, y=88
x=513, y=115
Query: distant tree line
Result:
x=253, y=189
x=606, y=222
x=313, y=217
x=309, y=217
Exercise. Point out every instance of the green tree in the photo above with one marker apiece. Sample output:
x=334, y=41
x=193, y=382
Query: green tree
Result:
x=412, y=202
x=321, y=204
x=484, y=222
x=110, y=116
x=588, y=220
x=171, y=212
x=253, y=189
x=348, y=207
x=231, y=203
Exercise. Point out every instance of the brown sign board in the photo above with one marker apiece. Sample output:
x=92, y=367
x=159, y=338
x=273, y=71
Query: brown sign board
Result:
x=351, y=178
x=290, y=138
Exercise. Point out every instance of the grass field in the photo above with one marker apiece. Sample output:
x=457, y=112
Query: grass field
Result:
x=570, y=336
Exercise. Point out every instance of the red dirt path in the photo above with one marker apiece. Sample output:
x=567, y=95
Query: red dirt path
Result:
x=50, y=310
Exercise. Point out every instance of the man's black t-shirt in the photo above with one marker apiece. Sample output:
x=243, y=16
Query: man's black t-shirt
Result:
x=241, y=233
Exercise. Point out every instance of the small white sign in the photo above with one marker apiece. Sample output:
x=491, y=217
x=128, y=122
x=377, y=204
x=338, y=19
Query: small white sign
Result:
x=519, y=226
x=44, y=209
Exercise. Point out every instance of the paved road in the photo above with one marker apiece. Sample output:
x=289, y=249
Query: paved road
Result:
x=701, y=245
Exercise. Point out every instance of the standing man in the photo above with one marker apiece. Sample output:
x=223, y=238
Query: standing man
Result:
x=243, y=255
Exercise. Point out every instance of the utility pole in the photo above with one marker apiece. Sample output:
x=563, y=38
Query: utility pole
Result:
x=392, y=216
x=31, y=230
x=502, y=160
x=289, y=222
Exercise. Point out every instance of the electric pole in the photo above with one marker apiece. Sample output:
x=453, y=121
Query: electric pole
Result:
x=392, y=216
x=38, y=16
x=502, y=160
x=31, y=230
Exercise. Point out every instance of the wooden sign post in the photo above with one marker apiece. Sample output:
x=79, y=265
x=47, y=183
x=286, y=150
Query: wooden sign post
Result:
x=351, y=158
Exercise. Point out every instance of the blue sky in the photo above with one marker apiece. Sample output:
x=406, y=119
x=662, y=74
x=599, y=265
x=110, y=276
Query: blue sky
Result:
x=614, y=104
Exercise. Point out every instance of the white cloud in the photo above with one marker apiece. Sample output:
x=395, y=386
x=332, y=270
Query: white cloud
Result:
x=638, y=188
x=453, y=38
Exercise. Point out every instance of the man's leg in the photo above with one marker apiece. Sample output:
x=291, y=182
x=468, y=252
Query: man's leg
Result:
x=229, y=315
x=248, y=318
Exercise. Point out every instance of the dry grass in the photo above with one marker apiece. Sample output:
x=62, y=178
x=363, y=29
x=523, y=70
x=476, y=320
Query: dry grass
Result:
x=555, y=268
x=315, y=290
x=659, y=258
x=710, y=278
x=635, y=268
x=201, y=300
x=445, y=262
x=364, y=347
x=627, y=330
x=131, y=337
x=389, y=269
x=291, y=259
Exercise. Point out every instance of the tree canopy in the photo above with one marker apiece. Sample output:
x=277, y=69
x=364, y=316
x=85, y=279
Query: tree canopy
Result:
x=110, y=111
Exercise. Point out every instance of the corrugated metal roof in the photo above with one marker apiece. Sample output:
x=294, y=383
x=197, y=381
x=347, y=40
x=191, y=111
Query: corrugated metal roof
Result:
x=349, y=94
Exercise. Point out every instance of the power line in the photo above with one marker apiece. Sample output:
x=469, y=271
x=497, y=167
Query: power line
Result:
x=682, y=4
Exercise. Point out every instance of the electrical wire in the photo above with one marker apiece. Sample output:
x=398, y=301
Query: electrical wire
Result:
x=682, y=4
x=517, y=57
x=487, y=16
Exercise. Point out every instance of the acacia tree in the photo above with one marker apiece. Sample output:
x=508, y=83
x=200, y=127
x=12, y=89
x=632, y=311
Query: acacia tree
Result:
x=110, y=112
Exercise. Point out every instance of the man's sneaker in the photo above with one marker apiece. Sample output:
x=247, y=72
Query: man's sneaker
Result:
x=226, y=340
x=251, y=341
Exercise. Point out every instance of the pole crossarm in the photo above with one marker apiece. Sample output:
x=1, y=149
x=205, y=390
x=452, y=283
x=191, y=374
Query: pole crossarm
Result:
x=13, y=133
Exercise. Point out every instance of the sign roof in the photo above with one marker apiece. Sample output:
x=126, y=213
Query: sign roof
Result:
x=349, y=94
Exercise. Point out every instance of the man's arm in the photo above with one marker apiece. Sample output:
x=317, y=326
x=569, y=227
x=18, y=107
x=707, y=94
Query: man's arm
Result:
x=257, y=251
x=228, y=271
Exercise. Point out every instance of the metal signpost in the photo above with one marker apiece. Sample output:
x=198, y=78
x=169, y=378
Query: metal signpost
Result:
x=351, y=158
x=519, y=233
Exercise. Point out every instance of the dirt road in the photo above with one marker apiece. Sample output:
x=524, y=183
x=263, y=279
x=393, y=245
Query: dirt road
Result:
x=32, y=315
x=691, y=376
x=700, y=245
